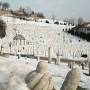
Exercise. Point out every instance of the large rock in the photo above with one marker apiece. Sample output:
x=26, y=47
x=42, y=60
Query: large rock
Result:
x=42, y=67
x=42, y=82
x=34, y=80
x=40, y=79
x=72, y=80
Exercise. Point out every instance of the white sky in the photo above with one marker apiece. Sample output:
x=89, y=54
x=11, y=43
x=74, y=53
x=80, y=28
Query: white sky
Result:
x=59, y=8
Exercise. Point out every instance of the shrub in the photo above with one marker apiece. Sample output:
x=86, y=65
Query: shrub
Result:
x=56, y=22
x=47, y=21
x=40, y=15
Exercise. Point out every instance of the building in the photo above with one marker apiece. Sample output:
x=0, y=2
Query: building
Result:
x=19, y=43
x=85, y=28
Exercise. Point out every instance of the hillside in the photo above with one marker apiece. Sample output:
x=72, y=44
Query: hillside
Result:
x=5, y=13
x=40, y=35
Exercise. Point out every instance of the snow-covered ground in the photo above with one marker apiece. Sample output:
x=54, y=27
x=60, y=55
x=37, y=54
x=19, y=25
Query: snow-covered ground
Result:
x=59, y=72
x=40, y=35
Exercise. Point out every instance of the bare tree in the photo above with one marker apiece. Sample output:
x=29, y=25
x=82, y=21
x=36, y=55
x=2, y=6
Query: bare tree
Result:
x=21, y=8
x=53, y=17
x=28, y=11
x=80, y=20
x=40, y=15
x=5, y=6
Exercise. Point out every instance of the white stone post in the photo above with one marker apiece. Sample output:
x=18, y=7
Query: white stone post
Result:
x=49, y=55
x=58, y=59
x=38, y=58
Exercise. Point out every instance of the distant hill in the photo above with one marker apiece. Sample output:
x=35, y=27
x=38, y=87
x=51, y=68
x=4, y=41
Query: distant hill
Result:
x=5, y=13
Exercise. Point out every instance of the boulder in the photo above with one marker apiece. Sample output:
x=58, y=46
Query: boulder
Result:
x=42, y=82
x=42, y=67
x=34, y=80
x=72, y=80
x=39, y=79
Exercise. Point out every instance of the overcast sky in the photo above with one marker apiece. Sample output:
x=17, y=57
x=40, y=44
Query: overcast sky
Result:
x=59, y=8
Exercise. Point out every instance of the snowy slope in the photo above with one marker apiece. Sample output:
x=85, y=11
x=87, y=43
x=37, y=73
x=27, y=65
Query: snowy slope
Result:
x=41, y=35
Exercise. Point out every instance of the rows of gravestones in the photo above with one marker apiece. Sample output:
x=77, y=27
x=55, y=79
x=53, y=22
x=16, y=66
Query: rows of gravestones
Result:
x=41, y=38
x=43, y=78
